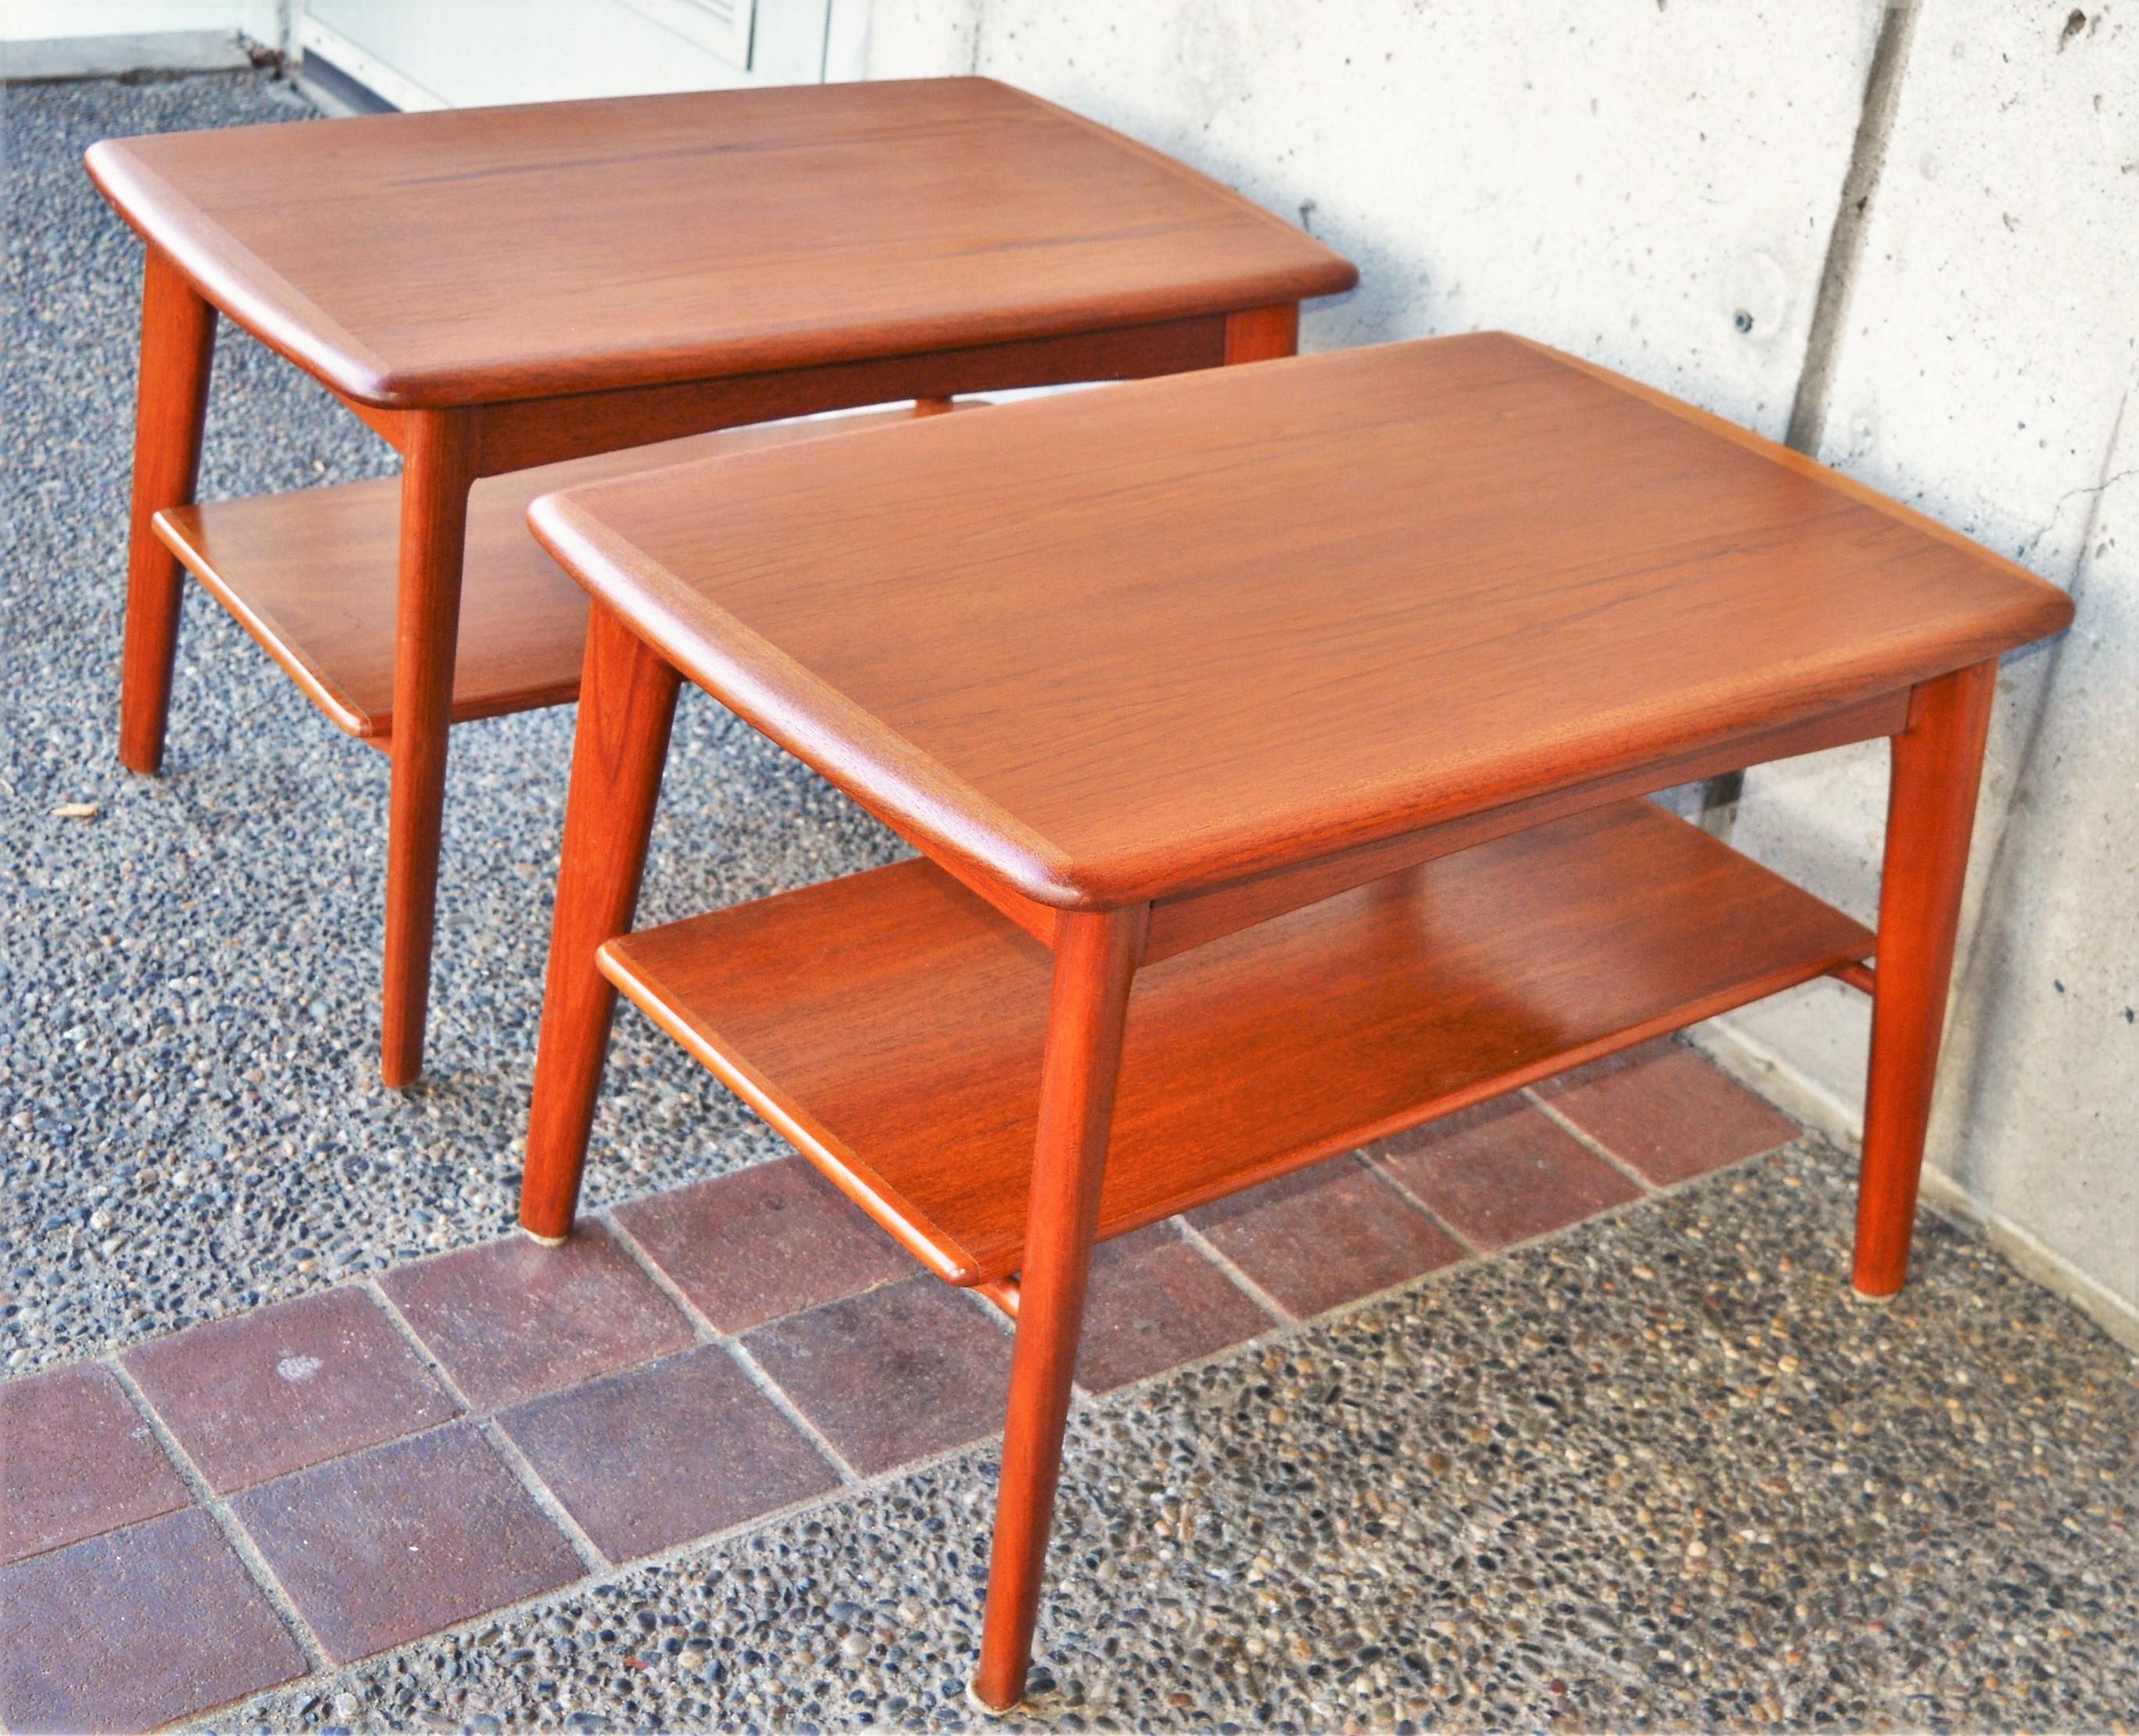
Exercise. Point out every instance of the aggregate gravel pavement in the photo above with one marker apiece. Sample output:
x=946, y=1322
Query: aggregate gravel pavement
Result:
x=188, y=979
x=1658, y=1472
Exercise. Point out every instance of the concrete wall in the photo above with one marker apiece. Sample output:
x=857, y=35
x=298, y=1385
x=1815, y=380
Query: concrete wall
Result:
x=1903, y=237
x=1984, y=370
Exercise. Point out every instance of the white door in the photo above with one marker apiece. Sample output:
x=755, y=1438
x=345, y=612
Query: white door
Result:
x=434, y=54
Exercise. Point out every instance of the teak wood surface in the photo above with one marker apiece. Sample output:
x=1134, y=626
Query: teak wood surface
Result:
x=1188, y=631
x=309, y=576
x=1293, y=710
x=470, y=256
x=1335, y=1025
x=494, y=289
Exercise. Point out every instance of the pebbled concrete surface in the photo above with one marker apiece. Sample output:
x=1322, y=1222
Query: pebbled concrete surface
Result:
x=1657, y=1473
x=189, y=1003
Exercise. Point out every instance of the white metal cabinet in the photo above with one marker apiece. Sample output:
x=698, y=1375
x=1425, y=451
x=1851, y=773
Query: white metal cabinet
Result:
x=431, y=54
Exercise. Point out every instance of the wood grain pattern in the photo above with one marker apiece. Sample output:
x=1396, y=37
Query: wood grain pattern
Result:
x=178, y=346
x=1262, y=334
x=497, y=289
x=309, y=575
x=891, y=1025
x=546, y=430
x=1930, y=814
x=1178, y=924
x=1187, y=631
x=1095, y=957
x=438, y=469
x=618, y=751
x=580, y=246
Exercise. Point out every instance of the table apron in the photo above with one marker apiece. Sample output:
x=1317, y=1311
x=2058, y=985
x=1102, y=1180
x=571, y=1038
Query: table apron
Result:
x=522, y=432
x=1194, y=918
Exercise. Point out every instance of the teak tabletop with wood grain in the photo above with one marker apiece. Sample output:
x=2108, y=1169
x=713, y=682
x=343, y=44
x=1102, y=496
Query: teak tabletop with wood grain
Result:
x=495, y=290
x=1272, y=738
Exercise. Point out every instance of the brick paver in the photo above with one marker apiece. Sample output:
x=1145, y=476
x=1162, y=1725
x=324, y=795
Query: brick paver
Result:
x=75, y=1459
x=1502, y=1172
x=266, y=1393
x=130, y=1631
x=401, y=1540
x=772, y=1240
x=1666, y=1111
x=655, y=1455
x=1325, y=1235
x=1154, y=1302
x=511, y=1318
x=891, y=1375
x=383, y=1522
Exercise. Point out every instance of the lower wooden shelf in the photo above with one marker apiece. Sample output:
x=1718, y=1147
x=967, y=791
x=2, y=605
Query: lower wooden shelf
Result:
x=311, y=575
x=890, y=1025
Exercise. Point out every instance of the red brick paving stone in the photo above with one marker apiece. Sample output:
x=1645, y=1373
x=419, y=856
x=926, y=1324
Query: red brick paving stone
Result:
x=390, y=1544
x=656, y=1455
x=1154, y=1302
x=1502, y=1172
x=511, y=1318
x=75, y=1459
x=772, y=1240
x=893, y=1374
x=1667, y=1111
x=1325, y=1235
x=134, y=1628
x=263, y=1394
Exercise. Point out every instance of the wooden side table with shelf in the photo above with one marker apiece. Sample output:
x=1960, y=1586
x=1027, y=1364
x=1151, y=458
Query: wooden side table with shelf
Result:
x=494, y=291
x=1274, y=742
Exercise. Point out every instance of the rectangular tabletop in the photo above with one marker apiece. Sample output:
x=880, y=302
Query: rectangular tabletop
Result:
x=478, y=255
x=1122, y=644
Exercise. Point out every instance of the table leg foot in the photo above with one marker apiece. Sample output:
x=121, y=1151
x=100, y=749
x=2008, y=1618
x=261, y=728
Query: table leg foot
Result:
x=438, y=466
x=1095, y=959
x=1931, y=813
x=973, y=1700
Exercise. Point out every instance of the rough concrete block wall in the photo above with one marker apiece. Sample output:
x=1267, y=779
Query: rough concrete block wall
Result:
x=1983, y=369
x=1634, y=183
x=1657, y=184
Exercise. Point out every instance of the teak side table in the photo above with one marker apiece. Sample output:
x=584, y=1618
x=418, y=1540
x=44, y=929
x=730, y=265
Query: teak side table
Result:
x=497, y=290
x=1314, y=699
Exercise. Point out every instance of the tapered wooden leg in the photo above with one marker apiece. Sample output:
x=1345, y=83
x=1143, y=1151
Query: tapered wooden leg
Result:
x=438, y=458
x=627, y=703
x=178, y=343
x=1095, y=959
x=1930, y=812
x=1262, y=334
